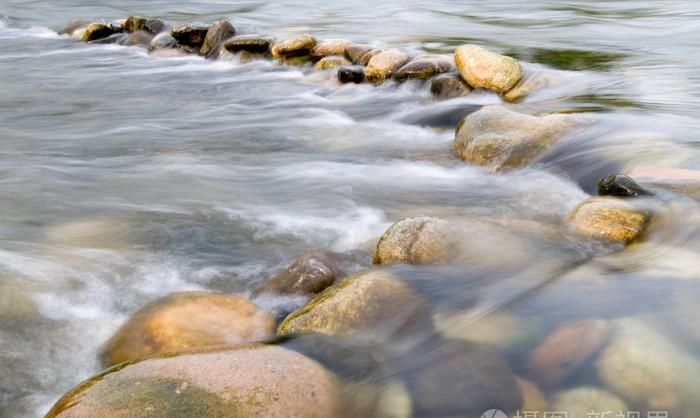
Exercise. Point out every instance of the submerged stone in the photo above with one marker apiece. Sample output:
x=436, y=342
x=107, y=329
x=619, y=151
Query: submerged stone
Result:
x=329, y=47
x=190, y=35
x=73, y=26
x=248, y=381
x=137, y=23
x=620, y=185
x=140, y=37
x=297, y=46
x=678, y=180
x=530, y=82
x=115, y=38
x=351, y=74
x=502, y=139
x=579, y=402
x=365, y=59
x=331, y=62
x=424, y=67
x=354, y=52
x=163, y=40
x=186, y=320
x=218, y=32
x=308, y=275
x=485, y=69
x=607, y=219
x=384, y=65
x=95, y=31
x=448, y=86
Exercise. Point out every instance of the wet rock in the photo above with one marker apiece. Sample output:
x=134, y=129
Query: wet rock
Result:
x=365, y=59
x=564, y=351
x=530, y=82
x=248, y=43
x=295, y=60
x=218, y=32
x=247, y=381
x=329, y=47
x=115, y=38
x=502, y=139
x=424, y=67
x=579, y=402
x=308, y=275
x=372, y=303
x=297, y=46
x=607, y=219
x=190, y=35
x=163, y=40
x=117, y=26
x=73, y=26
x=185, y=320
x=384, y=65
x=140, y=23
x=533, y=398
x=354, y=52
x=394, y=401
x=620, y=185
x=448, y=86
x=15, y=303
x=331, y=62
x=351, y=74
x=648, y=370
x=484, y=69
x=458, y=378
x=139, y=38
x=95, y=31
x=677, y=180
x=104, y=232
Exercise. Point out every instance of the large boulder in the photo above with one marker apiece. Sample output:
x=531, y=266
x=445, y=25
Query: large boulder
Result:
x=678, y=180
x=329, y=47
x=374, y=303
x=449, y=86
x=297, y=46
x=484, y=69
x=243, y=382
x=424, y=67
x=649, y=371
x=608, y=219
x=185, y=320
x=502, y=139
x=384, y=65
x=580, y=402
x=218, y=32
x=308, y=275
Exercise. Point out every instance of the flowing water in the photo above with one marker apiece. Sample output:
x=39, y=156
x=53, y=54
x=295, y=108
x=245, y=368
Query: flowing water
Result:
x=125, y=177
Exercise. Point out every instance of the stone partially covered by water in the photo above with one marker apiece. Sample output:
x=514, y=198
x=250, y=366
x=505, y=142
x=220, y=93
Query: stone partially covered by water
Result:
x=424, y=67
x=620, y=185
x=384, y=64
x=328, y=47
x=608, y=219
x=678, y=180
x=137, y=23
x=186, y=320
x=244, y=382
x=192, y=36
x=580, y=402
x=96, y=31
x=449, y=86
x=308, y=275
x=331, y=62
x=218, y=32
x=297, y=46
x=351, y=74
x=484, y=69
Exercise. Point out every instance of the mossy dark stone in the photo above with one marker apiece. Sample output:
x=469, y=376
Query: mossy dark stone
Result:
x=248, y=43
x=190, y=35
x=218, y=32
x=308, y=275
x=351, y=74
x=620, y=185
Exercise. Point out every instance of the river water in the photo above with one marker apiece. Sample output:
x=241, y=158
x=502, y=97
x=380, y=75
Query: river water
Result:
x=125, y=177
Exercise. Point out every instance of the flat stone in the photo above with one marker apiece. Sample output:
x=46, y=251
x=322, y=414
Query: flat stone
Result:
x=296, y=46
x=248, y=43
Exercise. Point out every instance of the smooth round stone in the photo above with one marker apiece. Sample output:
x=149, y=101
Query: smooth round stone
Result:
x=187, y=320
x=364, y=60
x=579, y=402
x=384, y=65
x=331, y=62
x=448, y=86
x=248, y=381
x=351, y=74
x=141, y=38
x=190, y=35
x=308, y=275
x=117, y=25
x=248, y=43
x=299, y=45
x=485, y=69
x=607, y=219
x=422, y=68
x=96, y=31
x=621, y=186
x=137, y=23
x=163, y=40
x=354, y=52
x=329, y=47
x=218, y=32
x=73, y=26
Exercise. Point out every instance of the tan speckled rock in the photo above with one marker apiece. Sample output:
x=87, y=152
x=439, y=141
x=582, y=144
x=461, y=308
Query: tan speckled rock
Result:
x=484, y=69
x=579, y=402
x=374, y=303
x=328, y=47
x=331, y=62
x=186, y=320
x=607, y=219
x=502, y=139
x=299, y=45
x=384, y=65
x=249, y=381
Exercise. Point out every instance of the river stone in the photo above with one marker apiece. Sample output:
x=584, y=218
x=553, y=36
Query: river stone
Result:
x=185, y=320
x=373, y=303
x=331, y=62
x=424, y=67
x=354, y=52
x=620, y=185
x=565, y=350
x=163, y=40
x=118, y=25
x=248, y=43
x=218, y=32
x=190, y=35
x=140, y=37
x=485, y=69
x=607, y=219
x=459, y=378
x=448, y=86
x=115, y=38
x=73, y=26
x=299, y=45
x=365, y=59
x=137, y=23
x=308, y=275
x=678, y=180
x=502, y=139
x=249, y=381
x=351, y=74
x=384, y=64
x=533, y=398
x=329, y=47
x=529, y=83
x=579, y=402
x=15, y=303
x=95, y=31
x=649, y=371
